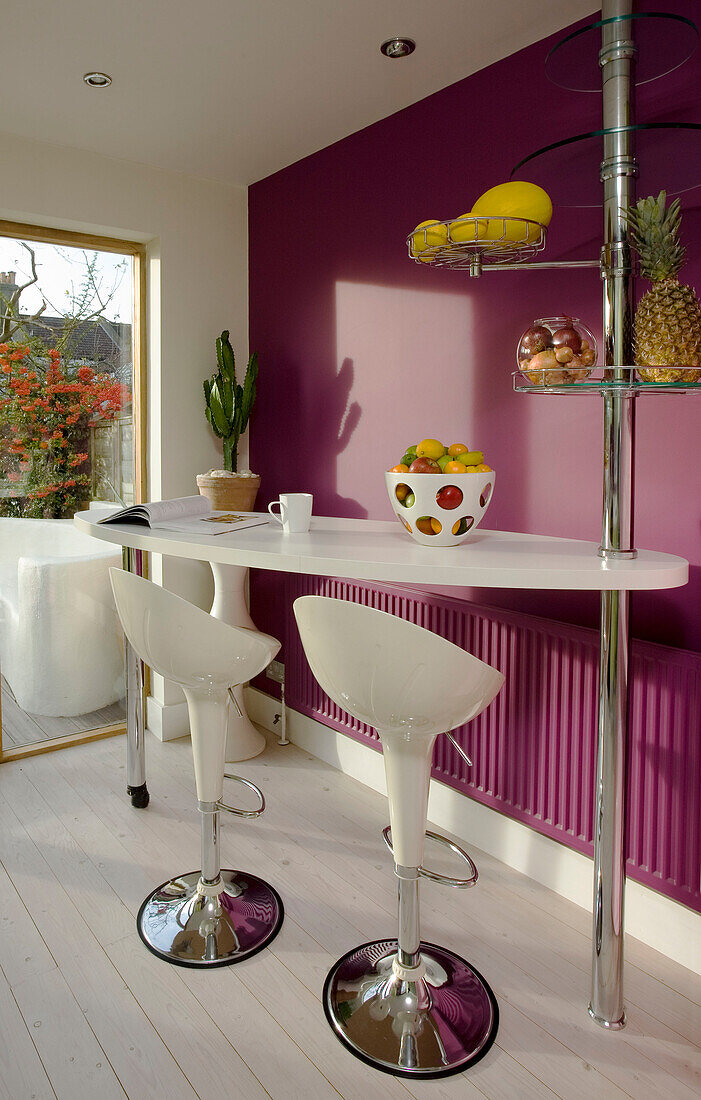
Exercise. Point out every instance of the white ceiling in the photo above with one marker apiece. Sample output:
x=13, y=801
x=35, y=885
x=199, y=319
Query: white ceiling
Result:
x=235, y=89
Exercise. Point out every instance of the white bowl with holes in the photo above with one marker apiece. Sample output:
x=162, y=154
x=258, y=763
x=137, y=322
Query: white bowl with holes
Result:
x=459, y=511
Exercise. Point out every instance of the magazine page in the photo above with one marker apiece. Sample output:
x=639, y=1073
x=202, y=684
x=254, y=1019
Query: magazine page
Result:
x=214, y=523
x=156, y=512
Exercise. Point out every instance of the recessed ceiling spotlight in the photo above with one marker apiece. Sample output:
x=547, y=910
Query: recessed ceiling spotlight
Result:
x=398, y=47
x=97, y=80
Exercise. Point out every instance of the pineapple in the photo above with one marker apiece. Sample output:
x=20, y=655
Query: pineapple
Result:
x=667, y=328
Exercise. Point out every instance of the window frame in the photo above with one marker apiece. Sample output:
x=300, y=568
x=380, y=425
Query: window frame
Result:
x=137, y=250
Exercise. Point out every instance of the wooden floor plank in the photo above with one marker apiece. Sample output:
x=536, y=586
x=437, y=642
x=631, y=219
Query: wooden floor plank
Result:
x=140, y=1059
x=98, y=841
x=79, y=860
x=75, y=1062
x=57, y=919
x=99, y=904
x=22, y=950
x=205, y=1055
x=547, y=982
x=301, y=883
x=22, y=1074
x=281, y=1067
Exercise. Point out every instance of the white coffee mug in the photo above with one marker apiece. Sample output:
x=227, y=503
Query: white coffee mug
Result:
x=295, y=512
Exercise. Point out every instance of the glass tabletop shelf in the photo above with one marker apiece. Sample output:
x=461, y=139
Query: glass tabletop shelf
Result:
x=564, y=168
x=625, y=382
x=663, y=41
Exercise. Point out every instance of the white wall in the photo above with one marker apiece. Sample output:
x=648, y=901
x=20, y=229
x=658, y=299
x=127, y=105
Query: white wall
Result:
x=197, y=245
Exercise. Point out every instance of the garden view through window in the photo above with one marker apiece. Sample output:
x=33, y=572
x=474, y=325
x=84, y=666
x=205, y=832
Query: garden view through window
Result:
x=67, y=441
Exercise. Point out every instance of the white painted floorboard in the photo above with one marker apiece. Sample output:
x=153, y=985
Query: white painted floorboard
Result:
x=86, y=1011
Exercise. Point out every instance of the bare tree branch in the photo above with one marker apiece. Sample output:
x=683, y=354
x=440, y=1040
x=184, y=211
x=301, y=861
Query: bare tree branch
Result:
x=11, y=320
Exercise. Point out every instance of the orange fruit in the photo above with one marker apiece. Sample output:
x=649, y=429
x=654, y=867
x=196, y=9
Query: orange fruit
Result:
x=401, y=491
x=436, y=526
x=454, y=468
x=457, y=449
x=400, y=469
x=424, y=525
x=484, y=469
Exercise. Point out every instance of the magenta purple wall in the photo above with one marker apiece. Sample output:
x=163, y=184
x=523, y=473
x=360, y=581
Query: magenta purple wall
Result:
x=346, y=326
x=363, y=352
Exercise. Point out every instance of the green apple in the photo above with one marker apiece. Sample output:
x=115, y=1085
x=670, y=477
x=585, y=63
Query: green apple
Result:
x=443, y=462
x=408, y=500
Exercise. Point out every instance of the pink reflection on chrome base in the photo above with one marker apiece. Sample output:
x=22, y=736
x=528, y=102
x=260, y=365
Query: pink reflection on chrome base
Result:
x=433, y=1027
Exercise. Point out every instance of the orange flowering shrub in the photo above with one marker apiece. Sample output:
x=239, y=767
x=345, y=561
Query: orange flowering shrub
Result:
x=46, y=409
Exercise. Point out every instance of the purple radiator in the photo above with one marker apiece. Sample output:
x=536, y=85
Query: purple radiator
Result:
x=534, y=749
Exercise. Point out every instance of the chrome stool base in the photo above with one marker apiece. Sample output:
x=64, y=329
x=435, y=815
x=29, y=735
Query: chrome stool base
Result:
x=185, y=927
x=438, y=1025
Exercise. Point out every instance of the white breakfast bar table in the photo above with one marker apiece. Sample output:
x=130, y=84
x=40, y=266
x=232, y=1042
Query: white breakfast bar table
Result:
x=378, y=550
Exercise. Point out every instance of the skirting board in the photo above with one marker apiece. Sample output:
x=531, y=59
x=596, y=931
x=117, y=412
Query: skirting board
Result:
x=166, y=721
x=650, y=917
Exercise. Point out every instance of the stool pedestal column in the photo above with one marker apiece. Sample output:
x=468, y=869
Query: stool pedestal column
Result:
x=408, y=1007
x=211, y=917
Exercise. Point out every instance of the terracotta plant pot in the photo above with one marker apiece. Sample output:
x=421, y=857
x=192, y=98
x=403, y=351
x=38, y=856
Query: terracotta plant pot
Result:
x=232, y=493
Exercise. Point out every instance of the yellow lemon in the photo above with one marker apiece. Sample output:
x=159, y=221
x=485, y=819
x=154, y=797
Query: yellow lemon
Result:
x=430, y=448
x=515, y=199
x=462, y=231
x=425, y=237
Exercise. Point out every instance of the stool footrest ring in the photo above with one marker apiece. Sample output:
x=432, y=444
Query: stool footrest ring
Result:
x=435, y=876
x=252, y=787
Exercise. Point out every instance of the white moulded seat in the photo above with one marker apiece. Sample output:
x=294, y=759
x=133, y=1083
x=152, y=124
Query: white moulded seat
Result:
x=210, y=917
x=409, y=1008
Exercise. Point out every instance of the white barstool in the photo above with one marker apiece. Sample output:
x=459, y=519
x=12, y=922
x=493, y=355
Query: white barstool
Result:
x=211, y=917
x=406, y=1007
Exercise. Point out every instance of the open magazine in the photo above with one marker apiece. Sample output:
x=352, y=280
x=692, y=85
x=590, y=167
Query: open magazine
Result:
x=191, y=514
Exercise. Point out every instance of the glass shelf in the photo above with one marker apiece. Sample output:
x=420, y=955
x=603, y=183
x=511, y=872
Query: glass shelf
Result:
x=664, y=42
x=627, y=386
x=564, y=168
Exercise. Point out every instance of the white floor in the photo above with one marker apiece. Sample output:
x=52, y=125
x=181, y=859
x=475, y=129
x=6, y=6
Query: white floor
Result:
x=86, y=1011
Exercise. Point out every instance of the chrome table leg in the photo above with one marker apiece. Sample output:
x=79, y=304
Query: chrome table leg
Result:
x=618, y=170
x=133, y=562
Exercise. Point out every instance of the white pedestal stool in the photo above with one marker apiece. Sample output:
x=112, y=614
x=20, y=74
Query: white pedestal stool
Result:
x=211, y=917
x=406, y=1007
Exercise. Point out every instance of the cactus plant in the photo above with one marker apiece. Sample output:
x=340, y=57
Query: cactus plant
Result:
x=227, y=404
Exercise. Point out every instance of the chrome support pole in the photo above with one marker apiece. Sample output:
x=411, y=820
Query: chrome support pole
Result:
x=618, y=171
x=133, y=562
x=209, y=840
x=409, y=936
